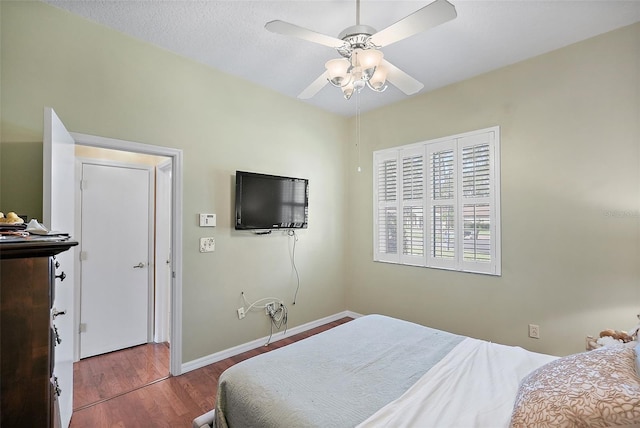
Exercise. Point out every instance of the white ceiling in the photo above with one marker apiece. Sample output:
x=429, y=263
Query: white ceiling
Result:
x=230, y=36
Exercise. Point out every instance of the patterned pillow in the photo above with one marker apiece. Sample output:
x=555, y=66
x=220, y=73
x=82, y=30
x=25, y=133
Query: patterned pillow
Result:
x=593, y=389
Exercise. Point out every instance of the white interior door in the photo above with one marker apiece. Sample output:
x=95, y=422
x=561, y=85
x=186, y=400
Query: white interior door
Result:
x=58, y=210
x=114, y=303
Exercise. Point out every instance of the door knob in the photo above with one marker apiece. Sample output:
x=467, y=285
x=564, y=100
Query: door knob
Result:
x=139, y=265
x=62, y=276
x=55, y=312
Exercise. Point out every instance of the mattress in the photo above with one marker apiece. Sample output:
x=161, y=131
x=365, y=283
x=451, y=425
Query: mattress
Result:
x=336, y=378
x=377, y=372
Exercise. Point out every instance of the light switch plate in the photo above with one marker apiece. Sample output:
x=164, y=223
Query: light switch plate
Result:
x=207, y=245
x=207, y=220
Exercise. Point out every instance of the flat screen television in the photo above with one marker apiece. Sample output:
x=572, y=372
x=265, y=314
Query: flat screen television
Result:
x=265, y=202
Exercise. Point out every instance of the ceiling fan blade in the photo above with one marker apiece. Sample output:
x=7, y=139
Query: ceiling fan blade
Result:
x=401, y=80
x=287, y=29
x=315, y=86
x=432, y=15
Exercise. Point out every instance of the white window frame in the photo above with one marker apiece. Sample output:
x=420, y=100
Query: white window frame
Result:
x=457, y=143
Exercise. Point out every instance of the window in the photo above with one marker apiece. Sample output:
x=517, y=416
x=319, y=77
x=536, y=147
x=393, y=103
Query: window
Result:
x=437, y=203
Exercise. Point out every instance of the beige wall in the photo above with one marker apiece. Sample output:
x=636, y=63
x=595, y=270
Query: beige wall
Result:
x=570, y=200
x=101, y=82
x=21, y=178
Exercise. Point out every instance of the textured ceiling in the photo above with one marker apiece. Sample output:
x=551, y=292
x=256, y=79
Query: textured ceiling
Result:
x=230, y=36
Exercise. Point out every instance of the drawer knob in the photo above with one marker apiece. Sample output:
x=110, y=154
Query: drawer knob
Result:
x=57, y=335
x=56, y=386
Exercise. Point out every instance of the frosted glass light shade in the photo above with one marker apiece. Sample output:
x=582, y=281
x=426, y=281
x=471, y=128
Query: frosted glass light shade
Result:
x=367, y=60
x=338, y=70
x=347, y=90
x=379, y=78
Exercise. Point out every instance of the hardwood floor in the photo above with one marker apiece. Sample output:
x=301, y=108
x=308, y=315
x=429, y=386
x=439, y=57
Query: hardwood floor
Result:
x=109, y=375
x=175, y=401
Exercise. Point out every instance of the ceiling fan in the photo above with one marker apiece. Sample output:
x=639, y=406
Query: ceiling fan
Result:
x=362, y=63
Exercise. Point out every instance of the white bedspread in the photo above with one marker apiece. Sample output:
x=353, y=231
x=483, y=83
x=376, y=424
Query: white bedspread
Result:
x=473, y=386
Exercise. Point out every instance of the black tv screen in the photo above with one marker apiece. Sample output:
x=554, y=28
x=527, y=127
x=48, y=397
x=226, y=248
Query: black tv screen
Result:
x=271, y=202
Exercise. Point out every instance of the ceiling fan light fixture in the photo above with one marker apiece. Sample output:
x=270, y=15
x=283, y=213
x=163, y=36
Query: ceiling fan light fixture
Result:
x=338, y=71
x=347, y=90
x=358, y=84
x=378, y=82
x=360, y=45
x=367, y=60
x=353, y=86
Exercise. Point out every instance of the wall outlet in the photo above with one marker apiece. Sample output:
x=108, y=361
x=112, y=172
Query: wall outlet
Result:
x=240, y=313
x=207, y=245
x=534, y=331
x=270, y=308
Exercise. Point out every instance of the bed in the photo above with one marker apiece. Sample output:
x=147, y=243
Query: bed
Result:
x=377, y=371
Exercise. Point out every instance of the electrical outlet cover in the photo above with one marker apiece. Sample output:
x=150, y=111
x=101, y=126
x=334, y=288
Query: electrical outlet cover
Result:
x=207, y=245
x=534, y=331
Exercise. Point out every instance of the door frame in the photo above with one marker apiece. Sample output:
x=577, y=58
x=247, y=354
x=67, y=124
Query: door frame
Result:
x=176, y=156
x=162, y=299
x=80, y=162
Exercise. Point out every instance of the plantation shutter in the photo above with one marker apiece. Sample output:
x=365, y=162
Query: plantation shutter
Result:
x=412, y=205
x=479, y=214
x=386, y=182
x=442, y=250
x=437, y=203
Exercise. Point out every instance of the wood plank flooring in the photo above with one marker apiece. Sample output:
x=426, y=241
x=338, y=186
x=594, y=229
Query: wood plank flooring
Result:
x=175, y=401
x=109, y=375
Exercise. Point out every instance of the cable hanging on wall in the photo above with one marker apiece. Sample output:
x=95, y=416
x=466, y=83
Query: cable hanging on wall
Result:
x=275, y=309
x=292, y=233
x=255, y=305
x=279, y=317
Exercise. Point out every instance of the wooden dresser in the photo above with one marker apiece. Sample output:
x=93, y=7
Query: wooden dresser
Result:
x=27, y=338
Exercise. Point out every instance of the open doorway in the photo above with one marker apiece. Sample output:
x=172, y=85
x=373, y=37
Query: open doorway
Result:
x=124, y=340
x=59, y=212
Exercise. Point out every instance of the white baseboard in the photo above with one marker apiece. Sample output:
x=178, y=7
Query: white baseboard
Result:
x=230, y=352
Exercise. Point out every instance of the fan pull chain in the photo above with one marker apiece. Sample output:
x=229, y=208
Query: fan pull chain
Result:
x=358, y=127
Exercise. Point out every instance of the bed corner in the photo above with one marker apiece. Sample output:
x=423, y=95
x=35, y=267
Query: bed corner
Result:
x=204, y=421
